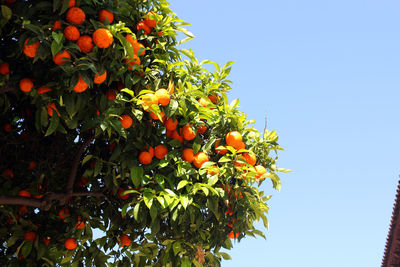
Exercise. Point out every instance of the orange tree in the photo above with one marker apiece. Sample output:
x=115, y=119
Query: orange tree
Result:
x=106, y=125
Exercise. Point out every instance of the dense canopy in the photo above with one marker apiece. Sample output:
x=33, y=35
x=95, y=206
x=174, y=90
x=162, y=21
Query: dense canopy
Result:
x=118, y=147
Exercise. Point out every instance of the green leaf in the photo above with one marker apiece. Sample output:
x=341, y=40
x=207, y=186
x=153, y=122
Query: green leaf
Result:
x=137, y=175
x=186, y=263
x=176, y=247
x=181, y=184
x=57, y=37
x=153, y=212
x=26, y=249
x=86, y=159
x=212, y=180
x=55, y=120
x=136, y=211
x=148, y=199
x=6, y=12
x=225, y=255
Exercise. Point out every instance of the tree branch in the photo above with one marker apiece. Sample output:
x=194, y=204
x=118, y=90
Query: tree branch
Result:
x=75, y=165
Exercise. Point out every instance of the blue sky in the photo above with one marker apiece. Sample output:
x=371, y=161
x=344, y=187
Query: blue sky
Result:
x=327, y=74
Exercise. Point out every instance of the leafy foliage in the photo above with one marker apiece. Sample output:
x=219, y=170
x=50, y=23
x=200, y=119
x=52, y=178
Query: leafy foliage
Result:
x=82, y=162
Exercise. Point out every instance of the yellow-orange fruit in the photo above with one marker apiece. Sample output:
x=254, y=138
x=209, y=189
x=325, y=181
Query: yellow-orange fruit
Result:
x=4, y=69
x=111, y=95
x=125, y=240
x=30, y=49
x=85, y=43
x=163, y=97
x=26, y=85
x=120, y=194
x=188, y=133
x=145, y=157
x=80, y=224
x=24, y=193
x=233, y=139
x=100, y=78
x=132, y=62
x=260, y=171
x=160, y=151
x=220, y=151
x=126, y=121
x=149, y=100
x=75, y=15
x=106, y=14
x=213, y=170
x=170, y=124
x=199, y=159
x=203, y=102
x=70, y=243
x=71, y=33
x=142, y=26
x=188, y=155
x=150, y=19
x=52, y=107
x=135, y=45
x=81, y=85
x=61, y=58
x=250, y=158
x=43, y=89
x=103, y=38
x=30, y=236
x=233, y=235
x=56, y=26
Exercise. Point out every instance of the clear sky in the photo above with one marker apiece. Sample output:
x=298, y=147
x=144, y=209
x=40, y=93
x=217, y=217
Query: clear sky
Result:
x=327, y=72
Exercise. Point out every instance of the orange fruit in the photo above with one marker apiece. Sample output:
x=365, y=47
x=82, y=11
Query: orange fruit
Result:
x=61, y=58
x=199, y=159
x=56, y=26
x=24, y=193
x=188, y=133
x=142, y=26
x=32, y=165
x=75, y=15
x=222, y=151
x=85, y=43
x=169, y=133
x=4, y=68
x=125, y=240
x=81, y=85
x=203, y=102
x=119, y=193
x=70, y=243
x=170, y=124
x=43, y=89
x=111, y=95
x=46, y=240
x=7, y=174
x=26, y=85
x=177, y=136
x=188, y=155
x=150, y=19
x=150, y=149
x=145, y=157
x=126, y=121
x=80, y=224
x=160, y=34
x=163, y=97
x=63, y=213
x=233, y=235
x=160, y=151
x=202, y=129
x=30, y=49
x=231, y=224
x=213, y=98
x=241, y=162
x=30, y=236
x=132, y=62
x=135, y=45
x=233, y=139
x=103, y=38
x=241, y=145
x=250, y=158
x=213, y=170
x=100, y=78
x=71, y=3
x=260, y=171
x=71, y=33
x=7, y=127
x=155, y=117
x=52, y=107
x=104, y=15
x=149, y=100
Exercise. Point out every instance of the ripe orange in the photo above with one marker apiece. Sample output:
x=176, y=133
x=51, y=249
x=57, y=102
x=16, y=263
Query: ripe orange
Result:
x=126, y=121
x=30, y=49
x=260, y=170
x=71, y=33
x=46, y=240
x=149, y=100
x=100, y=78
x=160, y=151
x=135, y=45
x=231, y=224
x=7, y=127
x=169, y=133
x=43, y=89
x=213, y=170
x=81, y=85
x=202, y=129
x=150, y=149
x=70, y=243
x=125, y=240
x=106, y=14
x=222, y=151
x=52, y=107
x=188, y=133
x=80, y=224
x=163, y=97
x=213, y=98
x=177, y=136
x=188, y=155
x=170, y=124
x=250, y=158
x=4, y=68
x=199, y=159
x=75, y=15
x=71, y=3
x=103, y=38
x=85, y=43
x=145, y=157
x=233, y=139
x=111, y=95
x=24, y=193
x=142, y=26
x=26, y=85
x=61, y=58
x=155, y=117
x=7, y=174
x=132, y=62
x=32, y=165
x=30, y=236
x=203, y=102
x=63, y=213
x=119, y=193
x=241, y=146
x=241, y=162
x=150, y=19
x=56, y=26
x=233, y=235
